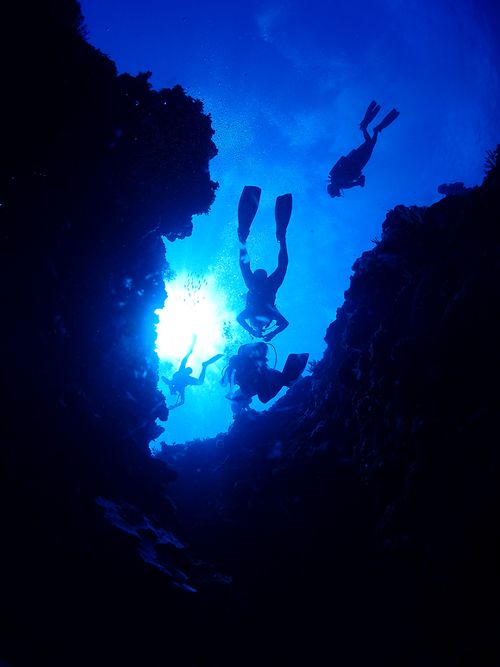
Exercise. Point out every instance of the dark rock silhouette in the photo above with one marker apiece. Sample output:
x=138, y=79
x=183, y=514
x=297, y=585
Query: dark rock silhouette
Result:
x=95, y=169
x=456, y=188
x=353, y=523
x=357, y=515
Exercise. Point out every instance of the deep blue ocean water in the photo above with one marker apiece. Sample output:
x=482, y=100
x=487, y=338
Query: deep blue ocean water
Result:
x=286, y=85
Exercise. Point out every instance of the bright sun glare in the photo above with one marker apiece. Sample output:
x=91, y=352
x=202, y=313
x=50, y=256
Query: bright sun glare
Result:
x=195, y=306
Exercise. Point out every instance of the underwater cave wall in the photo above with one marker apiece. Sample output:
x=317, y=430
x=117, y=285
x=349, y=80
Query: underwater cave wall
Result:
x=410, y=378
x=96, y=169
x=414, y=348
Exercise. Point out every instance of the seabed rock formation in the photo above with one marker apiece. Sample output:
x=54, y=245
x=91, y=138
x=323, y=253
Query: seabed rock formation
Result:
x=355, y=522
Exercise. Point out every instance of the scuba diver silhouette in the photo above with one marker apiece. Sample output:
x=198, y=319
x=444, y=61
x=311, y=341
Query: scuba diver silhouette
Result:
x=347, y=171
x=250, y=371
x=261, y=318
x=182, y=377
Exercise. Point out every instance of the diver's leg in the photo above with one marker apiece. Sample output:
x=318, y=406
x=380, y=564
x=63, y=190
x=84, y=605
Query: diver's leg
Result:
x=201, y=378
x=212, y=359
x=247, y=208
x=366, y=136
x=387, y=120
x=360, y=157
x=178, y=402
x=293, y=367
x=278, y=275
x=280, y=323
x=371, y=112
x=282, y=262
x=272, y=381
x=204, y=365
x=282, y=213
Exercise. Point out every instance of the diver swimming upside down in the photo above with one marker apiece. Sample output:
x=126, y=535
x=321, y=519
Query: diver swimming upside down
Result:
x=260, y=317
x=347, y=171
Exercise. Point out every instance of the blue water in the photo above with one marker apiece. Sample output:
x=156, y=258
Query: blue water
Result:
x=286, y=85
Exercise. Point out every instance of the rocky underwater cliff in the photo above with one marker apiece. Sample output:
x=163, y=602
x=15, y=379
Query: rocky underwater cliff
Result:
x=358, y=514
x=355, y=522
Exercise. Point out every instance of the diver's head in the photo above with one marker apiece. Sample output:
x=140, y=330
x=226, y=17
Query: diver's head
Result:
x=260, y=350
x=257, y=352
x=260, y=275
x=334, y=190
x=253, y=350
x=188, y=370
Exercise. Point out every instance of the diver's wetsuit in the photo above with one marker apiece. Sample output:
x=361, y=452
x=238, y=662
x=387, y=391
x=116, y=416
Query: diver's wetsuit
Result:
x=261, y=295
x=253, y=375
x=182, y=378
x=260, y=311
x=347, y=171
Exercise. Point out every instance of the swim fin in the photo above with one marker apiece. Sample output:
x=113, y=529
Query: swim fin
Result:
x=270, y=384
x=293, y=367
x=282, y=213
x=371, y=112
x=247, y=208
x=212, y=359
x=391, y=116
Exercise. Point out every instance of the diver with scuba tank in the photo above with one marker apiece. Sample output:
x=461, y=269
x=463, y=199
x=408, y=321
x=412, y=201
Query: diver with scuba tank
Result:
x=347, y=171
x=260, y=317
x=248, y=374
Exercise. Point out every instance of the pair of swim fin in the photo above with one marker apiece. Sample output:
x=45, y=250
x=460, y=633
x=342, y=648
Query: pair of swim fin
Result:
x=372, y=111
x=247, y=208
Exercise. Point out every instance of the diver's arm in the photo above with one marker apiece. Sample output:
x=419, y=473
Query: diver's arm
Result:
x=242, y=320
x=178, y=402
x=281, y=323
x=201, y=379
x=363, y=153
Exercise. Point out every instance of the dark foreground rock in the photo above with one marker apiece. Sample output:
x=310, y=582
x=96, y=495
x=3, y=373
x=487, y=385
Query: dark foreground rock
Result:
x=355, y=522
x=357, y=517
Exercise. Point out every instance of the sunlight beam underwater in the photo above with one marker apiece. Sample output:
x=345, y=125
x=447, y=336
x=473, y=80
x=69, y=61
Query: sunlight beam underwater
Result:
x=194, y=306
